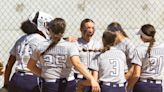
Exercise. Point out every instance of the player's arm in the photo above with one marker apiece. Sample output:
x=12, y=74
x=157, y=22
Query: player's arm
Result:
x=75, y=60
x=1, y=68
x=134, y=78
x=82, y=83
x=95, y=74
x=8, y=69
x=32, y=65
x=129, y=73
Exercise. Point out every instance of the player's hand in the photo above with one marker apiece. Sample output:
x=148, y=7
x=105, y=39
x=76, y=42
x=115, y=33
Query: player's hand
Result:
x=71, y=39
x=95, y=86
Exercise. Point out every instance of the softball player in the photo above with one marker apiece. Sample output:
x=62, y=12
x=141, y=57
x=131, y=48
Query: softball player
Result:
x=85, y=45
x=123, y=43
x=149, y=58
x=57, y=61
x=23, y=80
x=110, y=65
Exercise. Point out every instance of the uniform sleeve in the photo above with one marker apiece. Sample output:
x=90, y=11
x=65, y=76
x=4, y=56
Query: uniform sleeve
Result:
x=13, y=50
x=94, y=64
x=125, y=65
x=17, y=48
x=136, y=59
x=129, y=48
x=73, y=50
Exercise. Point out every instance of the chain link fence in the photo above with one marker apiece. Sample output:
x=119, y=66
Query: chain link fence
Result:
x=131, y=14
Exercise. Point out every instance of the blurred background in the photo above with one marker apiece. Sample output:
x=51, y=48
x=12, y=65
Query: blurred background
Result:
x=131, y=14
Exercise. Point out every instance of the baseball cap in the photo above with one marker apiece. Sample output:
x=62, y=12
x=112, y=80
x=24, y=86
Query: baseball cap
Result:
x=143, y=34
x=42, y=20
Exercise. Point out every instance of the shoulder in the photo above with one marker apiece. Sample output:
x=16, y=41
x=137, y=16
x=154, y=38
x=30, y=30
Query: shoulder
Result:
x=141, y=49
x=79, y=40
x=127, y=41
x=98, y=44
x=21, y=39
x=142, y=46
x=42, y=46
x=114, y=53
x=65, y=43
x=114, y=49
x=117, y=52
x=159, y=45
x=36, y=39
x=70, y=44
x=36, y=36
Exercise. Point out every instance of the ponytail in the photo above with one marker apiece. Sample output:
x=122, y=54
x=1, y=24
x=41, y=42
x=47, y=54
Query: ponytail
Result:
x=97, y=50
x=53, y=44
x=150, y=47
x=105, y=48
x=56, y=27
x=149, y=31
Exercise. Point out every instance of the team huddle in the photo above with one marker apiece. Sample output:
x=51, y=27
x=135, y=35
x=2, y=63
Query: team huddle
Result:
x=48, y=62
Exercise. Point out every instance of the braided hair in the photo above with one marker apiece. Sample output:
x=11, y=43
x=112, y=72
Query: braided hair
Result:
x=57, y=26
x=150, y=31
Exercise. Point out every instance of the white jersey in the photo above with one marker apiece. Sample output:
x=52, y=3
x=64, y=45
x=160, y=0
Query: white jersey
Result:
x=128, y=48
x=36, y=39
x=151, y=68
x=23, y=48
x=111, y=66
x=87, y=57
x=56, y=62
